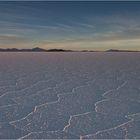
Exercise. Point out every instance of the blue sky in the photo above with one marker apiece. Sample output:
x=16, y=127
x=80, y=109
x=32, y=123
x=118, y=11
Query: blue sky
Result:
x=70, y=25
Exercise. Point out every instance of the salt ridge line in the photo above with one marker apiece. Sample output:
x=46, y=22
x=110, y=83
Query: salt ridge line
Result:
x=39, y=132
x=59, y=97
x=7, y=93
x=25, y=88
x=49, y=103
x=32, y=111
x=127, y=133
x=71, y=116
x=26, y=117
x=132, y=116
x=106, y=99
x=73, y=90
x=3, y=106
x=85, y=112
x=106, y=130
x=34, y=133
x=85, y=83
x=21, y=91
x=24, y=136
x=37, y=93
x=13, y=84
x=69, y=122
x=20, y=104
x=26, y=76
x=121, y=125
x=35, y=72
x=119, y=87
x=127, y=116
x=58, y=101
x=11, y=122
x=96, y=104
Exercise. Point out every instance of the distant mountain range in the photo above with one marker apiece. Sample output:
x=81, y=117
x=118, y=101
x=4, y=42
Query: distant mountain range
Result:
x=37, y=49
x=114, y=50
x=32, y=50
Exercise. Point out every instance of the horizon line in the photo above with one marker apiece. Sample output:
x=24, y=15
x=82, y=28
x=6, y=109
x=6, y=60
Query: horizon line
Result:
x=37, y=49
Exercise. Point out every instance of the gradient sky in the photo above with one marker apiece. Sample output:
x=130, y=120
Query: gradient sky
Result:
x=70, y=25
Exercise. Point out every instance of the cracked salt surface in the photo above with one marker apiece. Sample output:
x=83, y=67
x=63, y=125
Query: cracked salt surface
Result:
x=70, y=95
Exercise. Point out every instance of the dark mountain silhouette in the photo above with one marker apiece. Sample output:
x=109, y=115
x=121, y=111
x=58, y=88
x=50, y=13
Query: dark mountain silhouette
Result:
x=58, y=50
x=115, y=50
x=33, y=50
x=37, y=49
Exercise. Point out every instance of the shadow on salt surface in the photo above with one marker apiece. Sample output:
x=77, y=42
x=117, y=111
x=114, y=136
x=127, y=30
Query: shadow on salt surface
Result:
x=8, y=131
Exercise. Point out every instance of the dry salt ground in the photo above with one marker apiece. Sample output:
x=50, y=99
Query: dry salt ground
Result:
x=70, y=95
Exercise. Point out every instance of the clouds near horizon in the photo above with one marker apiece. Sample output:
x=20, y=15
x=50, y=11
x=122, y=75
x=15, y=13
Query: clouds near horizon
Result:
x=70, y=25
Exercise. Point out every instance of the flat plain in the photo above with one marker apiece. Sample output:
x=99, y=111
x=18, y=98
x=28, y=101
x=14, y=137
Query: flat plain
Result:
x=70, y=95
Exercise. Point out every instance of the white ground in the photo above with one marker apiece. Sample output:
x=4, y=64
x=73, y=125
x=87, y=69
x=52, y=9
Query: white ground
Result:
x=70, y=95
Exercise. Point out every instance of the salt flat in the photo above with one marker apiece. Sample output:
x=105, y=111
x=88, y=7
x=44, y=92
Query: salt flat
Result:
x=70, y=95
